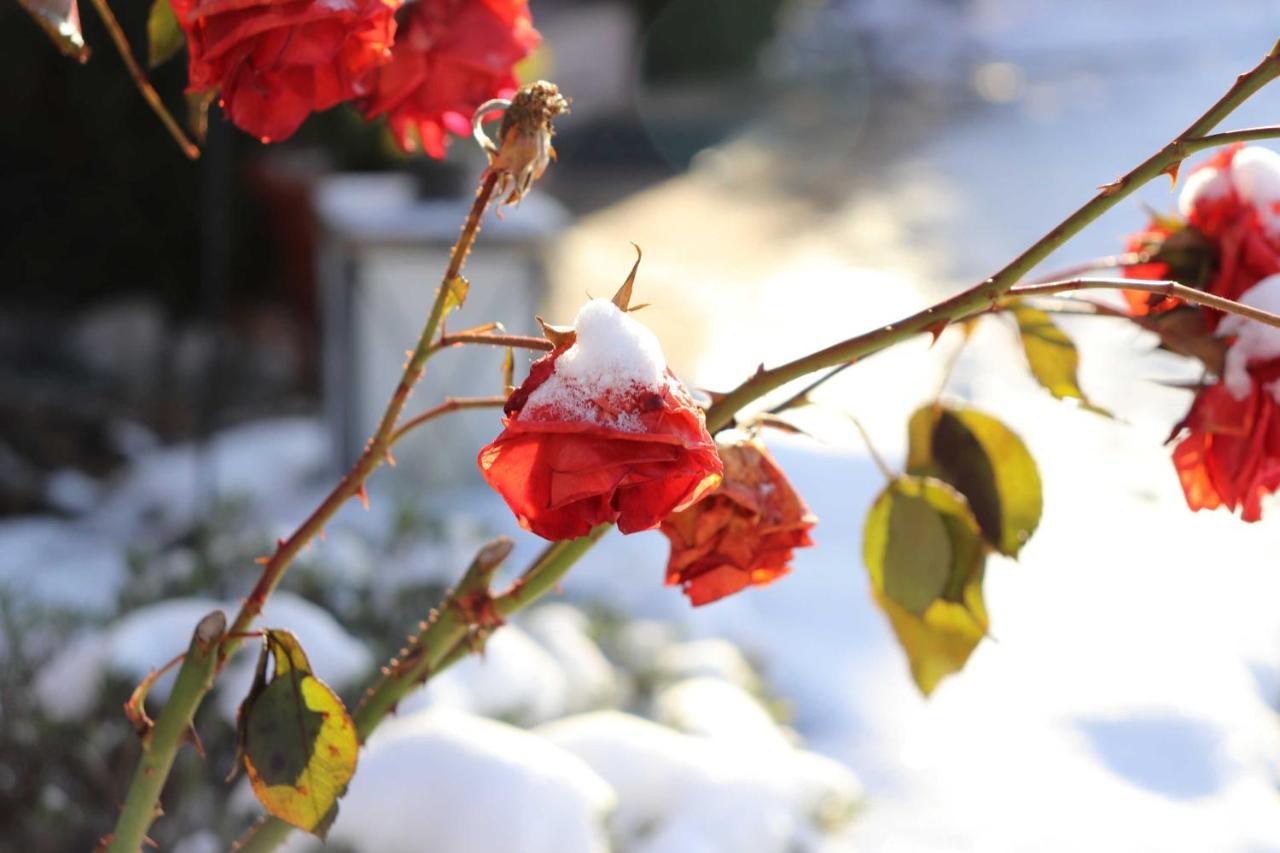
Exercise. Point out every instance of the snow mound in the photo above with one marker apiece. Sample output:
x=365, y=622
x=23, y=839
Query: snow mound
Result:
x=1255, y=171
x=716, y=709
x=1204, y=184
x=56, y=563
x=712, y=657
x=564, y=633
x=1255, y=342
x=514, y=679
x=612, y=356
x=704, y=793
x=454, y=783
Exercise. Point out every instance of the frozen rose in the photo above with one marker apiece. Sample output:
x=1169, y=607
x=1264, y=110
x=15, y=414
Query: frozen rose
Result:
x=274, y=62
x=743, y=533
x=601, y=432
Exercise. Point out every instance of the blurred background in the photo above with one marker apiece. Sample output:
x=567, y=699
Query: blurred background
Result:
x=190, y=353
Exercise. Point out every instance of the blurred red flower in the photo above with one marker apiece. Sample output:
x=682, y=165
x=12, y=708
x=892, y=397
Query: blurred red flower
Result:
x=276, y=61
x=1231, y=239
x=743, y=533
x=451, y=57
x=636, y=457
x=1229, y=454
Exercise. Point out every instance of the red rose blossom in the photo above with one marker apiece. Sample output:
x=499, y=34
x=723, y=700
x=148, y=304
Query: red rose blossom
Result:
x=277, y=61
x=600, y=432
x=451, y=57
x=743, y=533
x=1230, y=455
x=1232, y=202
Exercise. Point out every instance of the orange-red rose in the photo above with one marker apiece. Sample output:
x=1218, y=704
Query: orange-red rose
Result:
x=1229, y=454
x=451, y=56
x=586, y=443
x=740, y=535
x=276, y=61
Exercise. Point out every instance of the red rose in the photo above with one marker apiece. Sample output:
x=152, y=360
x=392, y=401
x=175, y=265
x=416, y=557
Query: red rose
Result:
x=1230, y=455
x=601, y=432
x=1230, y=207
x=451, y=57
x=740, y=535
x=276, y=61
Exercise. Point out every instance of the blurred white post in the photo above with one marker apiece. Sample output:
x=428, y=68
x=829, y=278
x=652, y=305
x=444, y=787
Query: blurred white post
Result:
x=382, y=254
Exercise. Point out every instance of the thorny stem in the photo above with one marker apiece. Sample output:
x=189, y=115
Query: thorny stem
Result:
x=1165, y=288
x=187, y=695
x=988, y=292
x=450, y=404
x=160, y=745
x=143, y=83
x=517, y=341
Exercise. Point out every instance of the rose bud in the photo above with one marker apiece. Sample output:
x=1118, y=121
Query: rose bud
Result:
x=524, y=149
x=600, y=432
x=449, y=58
x=277, y=61
x=740, y=535
x=1229, y=454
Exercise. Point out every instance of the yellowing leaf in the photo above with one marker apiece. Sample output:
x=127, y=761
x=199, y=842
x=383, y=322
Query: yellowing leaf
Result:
x=937, y=632
x=1052, y=356
x=298, y=742
x=60, y=19
x=987, y=463
x=906, y=547
x=164, y=35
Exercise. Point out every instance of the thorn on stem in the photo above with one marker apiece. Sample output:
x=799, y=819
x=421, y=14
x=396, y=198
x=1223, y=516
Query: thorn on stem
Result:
x=362, y=494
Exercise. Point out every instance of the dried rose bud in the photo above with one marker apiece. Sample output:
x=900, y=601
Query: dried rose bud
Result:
x=524, y=149
x=742, y=534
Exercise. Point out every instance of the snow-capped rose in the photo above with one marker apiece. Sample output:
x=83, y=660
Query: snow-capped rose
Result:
x=276, y=61
x=451, y=57
x=1230, y=455
x=743, y=533
x=1230, y=205
x=600, y=432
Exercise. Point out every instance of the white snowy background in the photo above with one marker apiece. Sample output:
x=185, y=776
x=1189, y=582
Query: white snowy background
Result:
x=1125, y=702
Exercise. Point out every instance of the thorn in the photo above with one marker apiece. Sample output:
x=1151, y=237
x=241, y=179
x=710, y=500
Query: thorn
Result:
x=936, y=330
x=1111, y=188
x=362, y=494
x=391, y=460
x=321, y=534
x=1172, y=172
x=262, y=561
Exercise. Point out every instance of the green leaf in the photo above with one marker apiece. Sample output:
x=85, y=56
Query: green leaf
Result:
x=60, y=19
x=906, y=547
x=987, y=463
x=297, y=740
x=164, y=35
x=1052, y=356
x=941, y=618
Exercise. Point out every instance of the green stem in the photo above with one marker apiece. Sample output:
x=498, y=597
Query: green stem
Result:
x=160, y=745
x=1165, y=288
x=987, y=293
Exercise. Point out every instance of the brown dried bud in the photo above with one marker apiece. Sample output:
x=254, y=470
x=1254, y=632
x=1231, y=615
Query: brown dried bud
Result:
x=524, y=149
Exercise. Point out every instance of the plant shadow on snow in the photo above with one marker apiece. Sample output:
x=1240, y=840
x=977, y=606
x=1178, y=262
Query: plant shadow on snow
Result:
x=1175, y=757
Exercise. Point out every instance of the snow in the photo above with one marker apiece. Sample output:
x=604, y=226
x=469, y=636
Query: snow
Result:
x=1205, y=184
x=729, y=795
x=1255, y=342
x=717, y=709
x=1255, y=170
x=612, y=356
x=448, y=781
x=564, y=633
x=56, y=563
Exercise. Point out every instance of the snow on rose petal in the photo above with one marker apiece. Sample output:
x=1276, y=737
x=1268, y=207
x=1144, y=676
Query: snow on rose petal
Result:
x=274, y=62
x=743, y=533
x=601, y=432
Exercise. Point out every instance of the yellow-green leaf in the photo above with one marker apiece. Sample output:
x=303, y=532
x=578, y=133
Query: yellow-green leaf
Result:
x=198, y=113
x=937, y=634
x=164, y=35
x=297, y=740
x=906, y=547
x=60, y=19
x=1053, y=358
x=987, y=463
